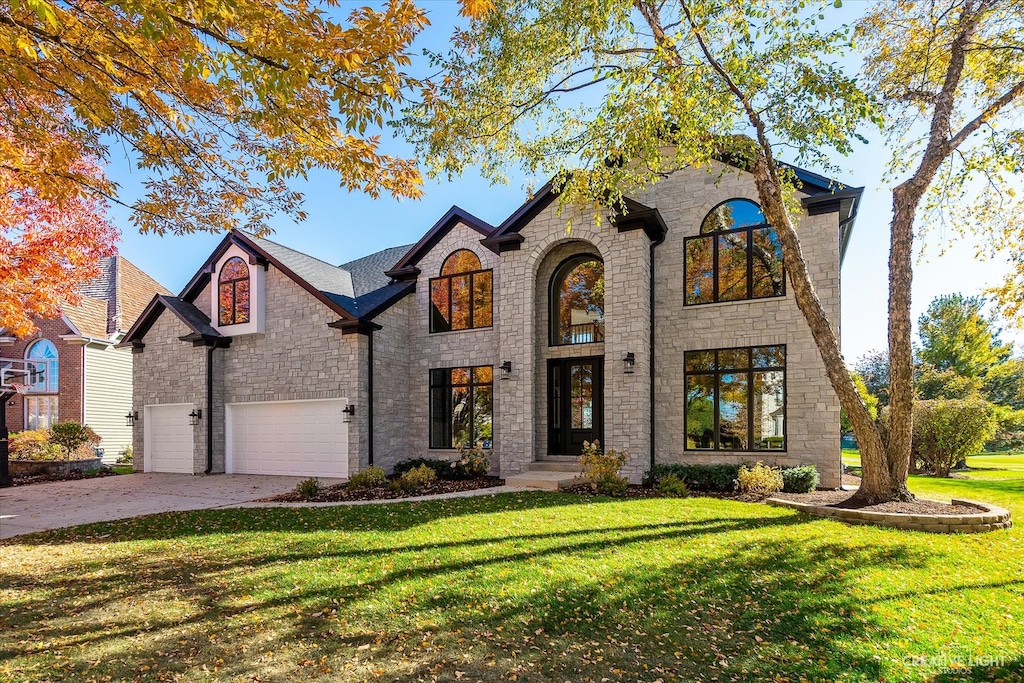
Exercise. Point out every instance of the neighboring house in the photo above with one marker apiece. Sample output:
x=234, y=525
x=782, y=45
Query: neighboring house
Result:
x=666, y=331
x=85, y=377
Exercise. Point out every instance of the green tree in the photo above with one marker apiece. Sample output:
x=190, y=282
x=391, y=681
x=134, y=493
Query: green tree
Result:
x=932, y=383
x=951, y=79
x=873, y=367
x=1004, y=384
x=955, y=335
x=870, y=401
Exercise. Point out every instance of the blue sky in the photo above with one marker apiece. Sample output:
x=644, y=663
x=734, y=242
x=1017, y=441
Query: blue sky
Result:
x=342, y=226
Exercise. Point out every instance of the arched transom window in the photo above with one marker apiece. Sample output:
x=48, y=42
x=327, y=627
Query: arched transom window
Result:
x=736, y=256
x=461, y=298
x=233, y=292
x=44, y=382
x=577, y=301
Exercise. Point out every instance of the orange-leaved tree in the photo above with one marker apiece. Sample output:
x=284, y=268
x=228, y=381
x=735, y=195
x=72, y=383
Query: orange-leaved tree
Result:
x=218, y=104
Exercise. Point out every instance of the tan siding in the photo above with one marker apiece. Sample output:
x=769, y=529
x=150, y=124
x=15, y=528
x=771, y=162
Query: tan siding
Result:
x=108, y=397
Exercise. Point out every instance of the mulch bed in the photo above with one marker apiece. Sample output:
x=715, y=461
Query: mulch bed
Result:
x=637, y=491
x=338, y=493
x=841, y=499
x=46, y=478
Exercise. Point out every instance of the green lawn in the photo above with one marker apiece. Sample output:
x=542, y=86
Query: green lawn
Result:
x=522, y=587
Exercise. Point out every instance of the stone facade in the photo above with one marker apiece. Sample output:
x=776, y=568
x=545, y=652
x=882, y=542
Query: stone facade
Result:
x=299, y=357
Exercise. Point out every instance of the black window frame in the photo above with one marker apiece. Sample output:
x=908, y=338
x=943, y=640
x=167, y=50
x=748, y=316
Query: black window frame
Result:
x=714, y=236
x=716, y=371
x=233, y=282
x=472, y=274
x=445, y=384
x=555, y=302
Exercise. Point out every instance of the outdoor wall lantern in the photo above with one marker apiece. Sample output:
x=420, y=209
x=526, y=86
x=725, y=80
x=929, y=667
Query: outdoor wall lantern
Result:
x=348, y=411
x=506, y=369
x=628, y=363
x=131, y=417
x=195, y=416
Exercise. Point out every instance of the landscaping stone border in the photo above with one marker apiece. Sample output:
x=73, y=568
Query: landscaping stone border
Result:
x=989, y=517
x=26, y=468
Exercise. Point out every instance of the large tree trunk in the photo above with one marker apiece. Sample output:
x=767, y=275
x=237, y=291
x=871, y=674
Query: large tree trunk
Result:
x=878, y=484
x=901, y=364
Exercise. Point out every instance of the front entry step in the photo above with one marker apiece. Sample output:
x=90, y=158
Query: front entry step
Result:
x=543, y=479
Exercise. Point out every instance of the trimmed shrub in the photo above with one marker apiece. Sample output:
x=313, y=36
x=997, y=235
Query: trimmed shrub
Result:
x=307, y=488
x=472, y=462
x=443, y=469
x=705, y=478
x=672, y=485
x=947, y=431
x=75, y=438
x=414, y=479
x=602, y=468
x=760, y=480
x=370, y=478
x=33, y=444
x=801, y=479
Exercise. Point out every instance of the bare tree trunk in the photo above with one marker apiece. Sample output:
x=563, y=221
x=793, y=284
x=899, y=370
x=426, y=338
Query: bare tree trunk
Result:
x=877, y=481
x=901, y=364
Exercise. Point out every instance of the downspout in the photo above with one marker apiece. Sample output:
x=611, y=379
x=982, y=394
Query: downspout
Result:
x=651, y=357
x=209, y=409
x=369, y=406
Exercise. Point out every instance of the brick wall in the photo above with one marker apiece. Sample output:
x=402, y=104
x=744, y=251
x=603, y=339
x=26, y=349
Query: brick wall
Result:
x=69, y=399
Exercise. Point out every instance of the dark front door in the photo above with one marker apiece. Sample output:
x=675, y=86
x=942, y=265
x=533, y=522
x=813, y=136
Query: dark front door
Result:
x=575, y=403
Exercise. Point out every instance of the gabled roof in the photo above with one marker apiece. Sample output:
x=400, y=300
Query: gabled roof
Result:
x=328, y=284
x=199, y=325
x=113, y=300
x=406, y=267
x=506, y=236
x=368, y=272
x=825, y=195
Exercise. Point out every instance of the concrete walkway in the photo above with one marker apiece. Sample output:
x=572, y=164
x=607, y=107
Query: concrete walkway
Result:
x=24, y=509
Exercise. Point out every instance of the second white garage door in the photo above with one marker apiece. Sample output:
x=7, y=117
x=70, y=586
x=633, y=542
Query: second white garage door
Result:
x=292, y=438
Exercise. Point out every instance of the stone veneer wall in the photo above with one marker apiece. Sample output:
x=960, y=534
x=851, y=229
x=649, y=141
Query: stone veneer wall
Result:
x=392, y=387
x=445, y=349
x=812, y=409
x=523, y=338
x=169, y=371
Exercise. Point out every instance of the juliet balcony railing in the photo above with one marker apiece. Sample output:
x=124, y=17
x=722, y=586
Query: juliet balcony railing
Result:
x=586, y=333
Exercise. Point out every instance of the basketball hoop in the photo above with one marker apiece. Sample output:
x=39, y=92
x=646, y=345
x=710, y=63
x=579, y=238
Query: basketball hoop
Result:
x=19, y=387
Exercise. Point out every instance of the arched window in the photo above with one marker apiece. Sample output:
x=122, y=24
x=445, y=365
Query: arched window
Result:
x=577, y=301
x=233, y=292
x=736, y=256
x=461, y=298
x=40, y=408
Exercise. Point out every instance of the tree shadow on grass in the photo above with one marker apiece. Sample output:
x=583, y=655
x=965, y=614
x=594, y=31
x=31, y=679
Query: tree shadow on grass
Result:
x=387, y=516
x=611, y=593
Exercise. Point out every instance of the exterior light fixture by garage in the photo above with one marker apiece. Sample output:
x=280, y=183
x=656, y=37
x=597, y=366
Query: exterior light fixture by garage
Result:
x=506, y=369
x=131, y=417
x=628, y=363
x=195, y=416
x=348, y=412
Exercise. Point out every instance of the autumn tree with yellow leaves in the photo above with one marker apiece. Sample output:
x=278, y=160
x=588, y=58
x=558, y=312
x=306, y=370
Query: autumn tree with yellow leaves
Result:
x=218, y=104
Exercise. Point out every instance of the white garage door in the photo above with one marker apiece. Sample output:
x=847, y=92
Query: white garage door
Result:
x=293, y=438
x=168, y=438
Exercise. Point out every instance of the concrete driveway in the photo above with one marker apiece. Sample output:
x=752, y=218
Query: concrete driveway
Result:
x=38, y=507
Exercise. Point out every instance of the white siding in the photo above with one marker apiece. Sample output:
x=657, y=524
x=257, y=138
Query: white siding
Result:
x=108, y=397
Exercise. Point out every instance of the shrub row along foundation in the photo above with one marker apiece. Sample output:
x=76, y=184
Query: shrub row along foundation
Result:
x=988, y=517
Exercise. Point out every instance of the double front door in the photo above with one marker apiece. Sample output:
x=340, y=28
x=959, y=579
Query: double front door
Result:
x=575, y=403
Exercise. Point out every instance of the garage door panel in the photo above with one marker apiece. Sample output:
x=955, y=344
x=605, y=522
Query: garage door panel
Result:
x=294, y=438
x=168, y=438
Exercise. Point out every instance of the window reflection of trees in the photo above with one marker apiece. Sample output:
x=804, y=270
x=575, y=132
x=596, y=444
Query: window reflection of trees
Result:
x=735, y=399
x=461, y=298
x=737, y=256
x=577, y=297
